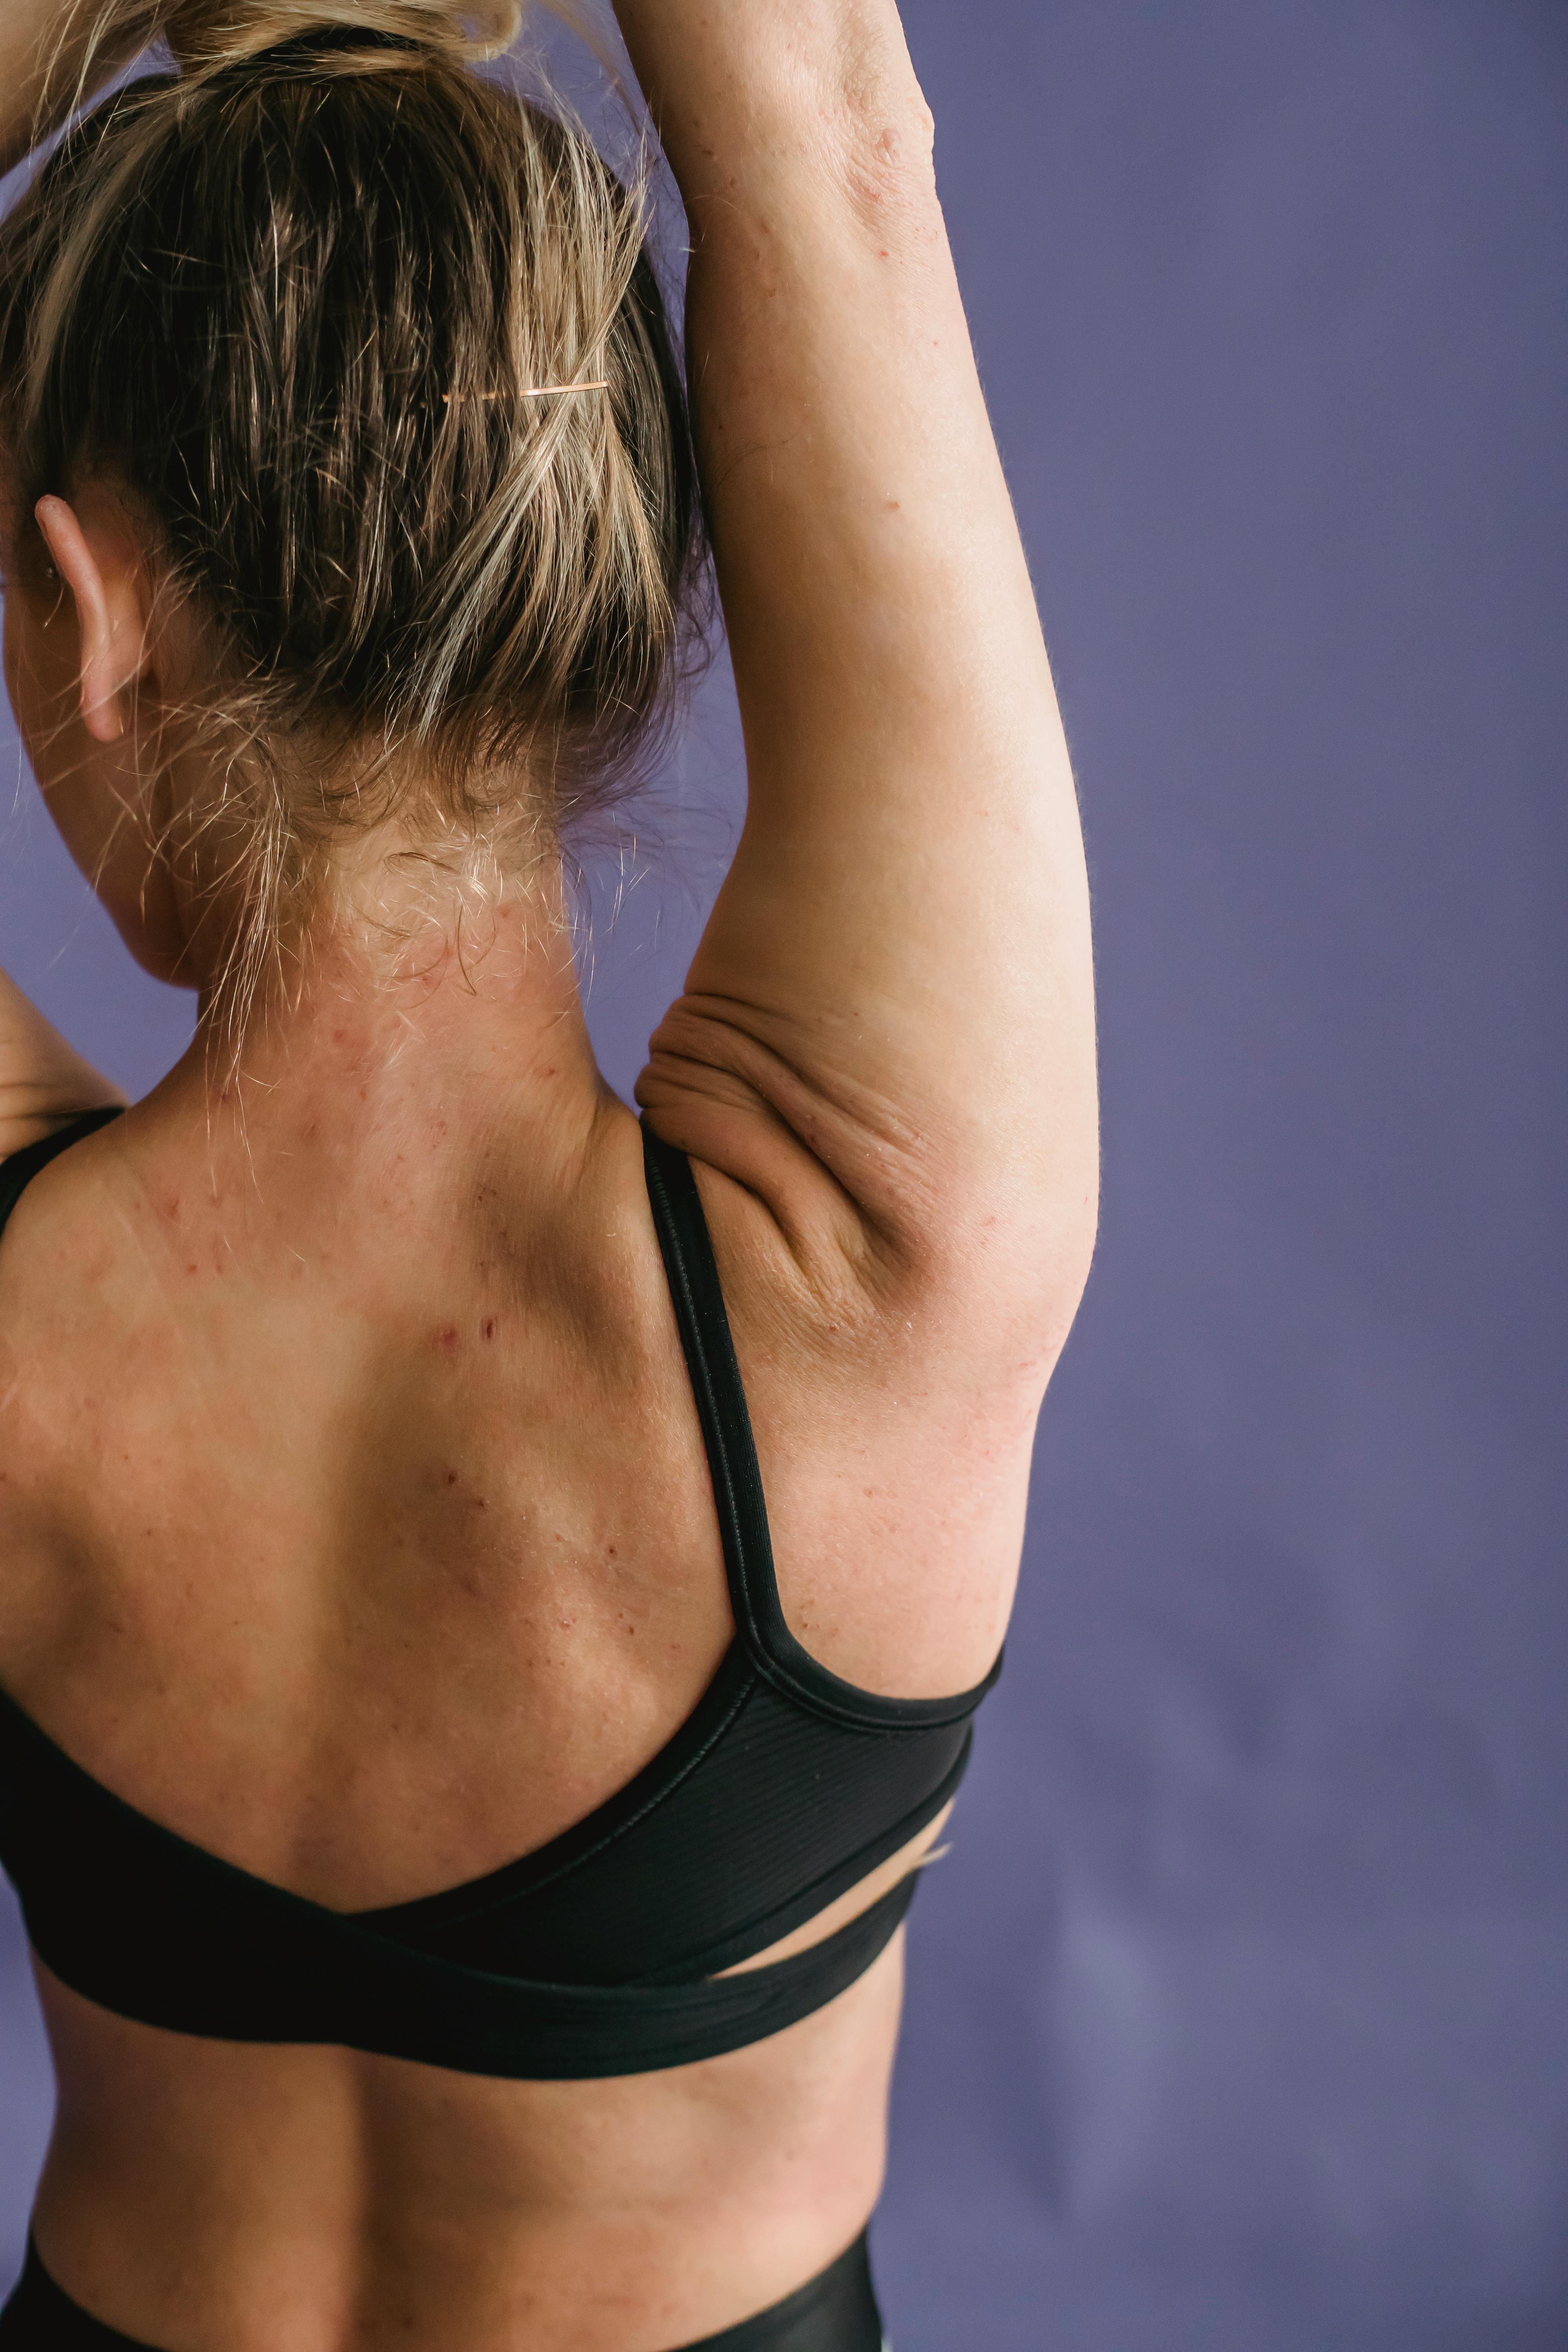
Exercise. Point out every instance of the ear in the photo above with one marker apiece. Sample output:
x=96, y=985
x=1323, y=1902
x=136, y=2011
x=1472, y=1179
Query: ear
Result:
x=99, y=568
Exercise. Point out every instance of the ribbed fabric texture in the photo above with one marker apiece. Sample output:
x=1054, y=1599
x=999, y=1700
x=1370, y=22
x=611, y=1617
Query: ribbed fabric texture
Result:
x=755, y=1816
x=598, y=1953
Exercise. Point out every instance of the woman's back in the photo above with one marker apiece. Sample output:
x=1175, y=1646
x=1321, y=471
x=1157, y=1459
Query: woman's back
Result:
x=359, y=1530
x=369, y=1518
x=320, y=1439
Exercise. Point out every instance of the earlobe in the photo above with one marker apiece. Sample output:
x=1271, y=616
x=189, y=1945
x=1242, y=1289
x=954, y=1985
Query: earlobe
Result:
x=109, y=617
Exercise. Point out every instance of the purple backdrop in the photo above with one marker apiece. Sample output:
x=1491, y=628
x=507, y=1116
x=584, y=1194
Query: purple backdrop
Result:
x=1238, y=2017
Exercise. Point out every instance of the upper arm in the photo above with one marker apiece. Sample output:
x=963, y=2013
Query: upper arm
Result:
x=44, y=1082
x=886, y=1033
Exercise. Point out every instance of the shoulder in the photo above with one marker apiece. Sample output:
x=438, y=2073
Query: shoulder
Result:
x=76, y=1291
x=54, y=1190
x=55, y=1376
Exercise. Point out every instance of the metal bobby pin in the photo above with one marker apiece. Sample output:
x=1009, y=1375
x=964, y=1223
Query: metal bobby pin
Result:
x=532, y=391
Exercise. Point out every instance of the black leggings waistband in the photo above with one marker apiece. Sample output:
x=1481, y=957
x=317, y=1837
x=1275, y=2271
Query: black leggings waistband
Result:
x=834, y=2312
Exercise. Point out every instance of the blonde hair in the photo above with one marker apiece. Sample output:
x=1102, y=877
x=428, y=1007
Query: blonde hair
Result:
x=299, y=301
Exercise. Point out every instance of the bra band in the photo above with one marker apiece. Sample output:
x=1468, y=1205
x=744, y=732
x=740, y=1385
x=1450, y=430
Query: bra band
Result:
x=158, y=1929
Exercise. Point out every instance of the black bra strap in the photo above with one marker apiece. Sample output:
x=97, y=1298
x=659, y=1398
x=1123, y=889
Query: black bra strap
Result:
x=687, y=1252
x=154, y=1928
x=18, y=1172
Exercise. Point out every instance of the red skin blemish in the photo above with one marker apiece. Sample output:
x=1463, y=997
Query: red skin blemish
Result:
x=446, y=1336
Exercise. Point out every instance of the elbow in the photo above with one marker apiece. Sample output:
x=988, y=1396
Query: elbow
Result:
x=884, y=161
x=1045, y=1272
x=876, y=127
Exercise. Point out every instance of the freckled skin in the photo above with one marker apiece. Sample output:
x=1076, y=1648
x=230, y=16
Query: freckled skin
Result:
x=237, y=1584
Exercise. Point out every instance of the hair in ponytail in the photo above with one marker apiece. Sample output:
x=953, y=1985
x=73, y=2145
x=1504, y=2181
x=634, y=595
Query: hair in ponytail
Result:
x=303, y=302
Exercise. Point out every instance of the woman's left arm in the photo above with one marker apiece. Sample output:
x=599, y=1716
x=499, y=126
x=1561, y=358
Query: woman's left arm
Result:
x=44, y=1082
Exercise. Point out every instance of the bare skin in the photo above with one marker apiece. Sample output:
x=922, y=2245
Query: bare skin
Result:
x=353, y=1507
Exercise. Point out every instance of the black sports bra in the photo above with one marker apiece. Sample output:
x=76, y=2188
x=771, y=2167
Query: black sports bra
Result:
x=595, y=1954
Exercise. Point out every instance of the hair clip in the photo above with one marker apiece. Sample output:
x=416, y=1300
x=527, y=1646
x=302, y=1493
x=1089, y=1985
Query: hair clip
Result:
x=532, y=391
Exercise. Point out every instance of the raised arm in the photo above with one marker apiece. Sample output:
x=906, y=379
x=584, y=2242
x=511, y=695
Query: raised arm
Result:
x=886, y=1033
x=44, y=1082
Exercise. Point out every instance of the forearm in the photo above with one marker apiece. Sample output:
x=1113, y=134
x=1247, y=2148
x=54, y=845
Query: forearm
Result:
x=44, y=1081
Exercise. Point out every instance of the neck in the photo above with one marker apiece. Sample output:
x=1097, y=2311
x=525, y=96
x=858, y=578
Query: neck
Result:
x=406, y=1043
